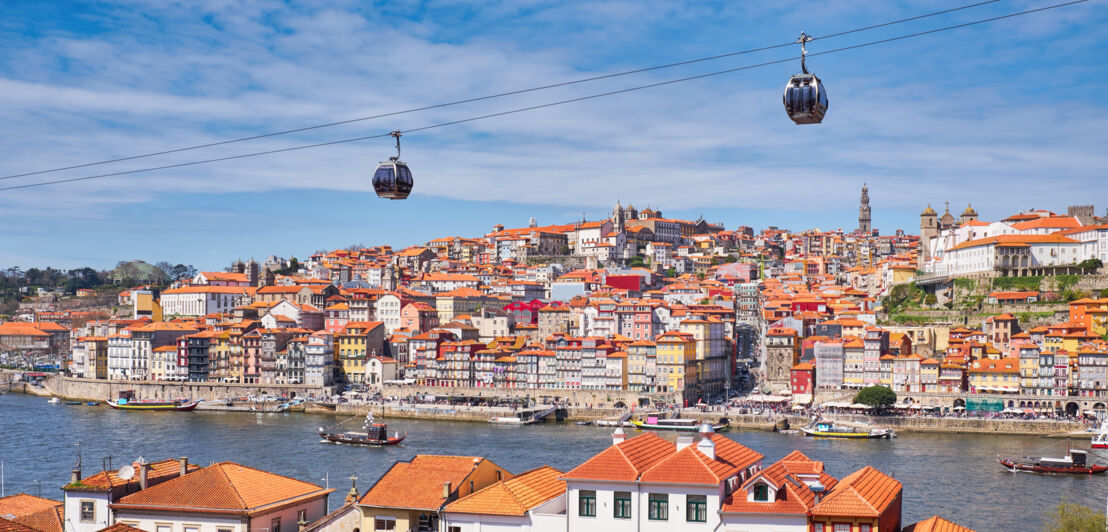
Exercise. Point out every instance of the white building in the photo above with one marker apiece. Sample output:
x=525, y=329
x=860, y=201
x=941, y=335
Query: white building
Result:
x=203, y=300
x=87, y=500
x=319, y=360
x=648, y=484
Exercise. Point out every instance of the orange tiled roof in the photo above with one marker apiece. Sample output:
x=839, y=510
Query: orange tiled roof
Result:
x=12, y=526
x=515, y=496
x=22, y=504
x=106, y=480
x=223, y=488
x=793, y=496
x=866, y=492
x=47, y=520
x=418, y=484
x=936, y=524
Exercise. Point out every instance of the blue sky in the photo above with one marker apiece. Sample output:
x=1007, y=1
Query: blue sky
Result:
x=1008, y=116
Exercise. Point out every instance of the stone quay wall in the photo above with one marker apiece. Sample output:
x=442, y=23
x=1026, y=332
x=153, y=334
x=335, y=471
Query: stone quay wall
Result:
x=959, y=425
x=99, y=390
x=589, y=398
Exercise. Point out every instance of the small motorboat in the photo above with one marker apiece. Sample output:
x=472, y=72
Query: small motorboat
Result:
x=54, y=401
x=92, y=403
x=583, y=423
x=1100, y=440
x=73, y=403
x=826, y=429
x=372, y=433
x=1074, y=463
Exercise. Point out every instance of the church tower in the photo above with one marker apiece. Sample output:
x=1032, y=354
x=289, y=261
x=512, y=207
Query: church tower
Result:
x=617, y=218
x=928, y=228
x=865, y=224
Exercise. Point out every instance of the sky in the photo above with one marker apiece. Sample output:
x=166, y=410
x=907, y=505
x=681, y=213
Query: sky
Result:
x=1007, y=116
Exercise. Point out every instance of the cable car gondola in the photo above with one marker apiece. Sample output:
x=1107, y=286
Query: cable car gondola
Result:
x=393, y=179
x=805, y=98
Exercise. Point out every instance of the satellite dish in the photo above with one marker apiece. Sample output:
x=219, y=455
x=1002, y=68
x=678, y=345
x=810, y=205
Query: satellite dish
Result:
x=126, y=472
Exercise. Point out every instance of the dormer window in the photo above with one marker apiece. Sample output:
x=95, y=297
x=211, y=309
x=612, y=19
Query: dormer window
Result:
x=761, y=492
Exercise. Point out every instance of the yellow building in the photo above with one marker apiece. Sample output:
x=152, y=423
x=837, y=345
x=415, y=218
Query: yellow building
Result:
x=995, y=376
x=676, y=362
x=358, y=341
x=411, y=495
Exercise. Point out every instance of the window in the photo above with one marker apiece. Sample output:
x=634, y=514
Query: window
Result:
x=623, y=505
x=275, y=525
x=842, y=527
x=163, y=528
x=88, y=512
x=223, y=530
x=817, y=527
x=761, y=492
x=696, y=508
x=658, y=509
x=586, y=503
x=454, y=529
x=386, y=523
x=192, y=528
x=863, y=528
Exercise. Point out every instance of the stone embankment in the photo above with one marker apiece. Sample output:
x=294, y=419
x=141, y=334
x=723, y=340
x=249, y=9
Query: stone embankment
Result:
x=99, y=390
x=956, y=425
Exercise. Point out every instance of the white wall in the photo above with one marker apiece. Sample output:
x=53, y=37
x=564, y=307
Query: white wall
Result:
x=179, y=522
x=101, y=519
x=764, y=523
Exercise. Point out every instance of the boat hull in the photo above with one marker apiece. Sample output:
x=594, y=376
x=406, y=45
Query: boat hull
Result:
x=847, y=435
x=341, y=438
x=1099, y=446
x=155, y=407
x=1053, y=470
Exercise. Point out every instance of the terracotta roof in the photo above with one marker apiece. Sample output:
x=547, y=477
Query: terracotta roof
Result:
x=1002, y=240
x=48, y=520
x=625, y=461
x=22, y=504
x=936, y=524
x=418, y=484
x=120, y=527
x=866, y=492
x=793, y=494
x=223, y=488
x=515, y=496
x=106, y=480
x=12, y=526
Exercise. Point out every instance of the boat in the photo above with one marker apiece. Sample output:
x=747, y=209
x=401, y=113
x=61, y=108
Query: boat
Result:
x=682, y=425
x=372, y=433
x=156, y=406
x=1100, y=440
x=73, y=403
x=826, y=429
x=583, y=423
x=93, y=403
x=1074, y=463
x=527, y=416
x=54, y=401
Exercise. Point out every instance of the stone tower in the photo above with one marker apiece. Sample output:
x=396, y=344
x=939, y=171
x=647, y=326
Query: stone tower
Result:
x=865, y=224
x=928, y=227
x=238, y=266
x=1086, y=214
x=968, y=215
x=252, y=271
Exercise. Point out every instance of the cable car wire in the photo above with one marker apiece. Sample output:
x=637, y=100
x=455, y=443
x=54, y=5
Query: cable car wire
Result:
x=552, y=104
x=490, y=96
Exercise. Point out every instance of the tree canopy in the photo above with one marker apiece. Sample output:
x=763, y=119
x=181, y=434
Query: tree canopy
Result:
x=876, y=396
x=1075, y=518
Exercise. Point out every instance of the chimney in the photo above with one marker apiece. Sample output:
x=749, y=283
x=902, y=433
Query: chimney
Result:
x=683, y=441
x=446, y=490
x=618, y=436
x=75, y=475
x=143, y=469
x=706, y=430
x=184, y=461
x=708, y=447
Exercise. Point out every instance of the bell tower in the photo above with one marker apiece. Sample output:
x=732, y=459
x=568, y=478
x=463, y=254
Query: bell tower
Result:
x=865, y=224
x=928, y=228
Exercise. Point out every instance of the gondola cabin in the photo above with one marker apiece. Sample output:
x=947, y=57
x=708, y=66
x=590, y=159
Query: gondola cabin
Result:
x=392, y=180
x=805, y=99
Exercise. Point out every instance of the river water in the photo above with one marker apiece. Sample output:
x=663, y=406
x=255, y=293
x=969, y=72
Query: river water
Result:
x=952, y=475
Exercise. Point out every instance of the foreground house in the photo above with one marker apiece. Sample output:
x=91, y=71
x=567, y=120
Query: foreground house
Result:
x=531, y=501
x=224, y=497
x=87, y=500
x=411, y=495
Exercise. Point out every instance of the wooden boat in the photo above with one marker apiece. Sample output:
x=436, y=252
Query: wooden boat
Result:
x=1100, y=440
x=681, y=425
x=372, y=434
x=73, y=403
x=1075, y=463
x=825, y=429
x=583, y=423
x=154, y=406
x=92, y=403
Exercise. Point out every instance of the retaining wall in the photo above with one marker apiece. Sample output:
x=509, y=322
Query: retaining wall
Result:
x=99, y=390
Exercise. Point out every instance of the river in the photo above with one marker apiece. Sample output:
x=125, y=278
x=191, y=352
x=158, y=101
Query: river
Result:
x=955, y=476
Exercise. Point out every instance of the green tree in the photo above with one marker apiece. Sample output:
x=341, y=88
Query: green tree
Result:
x=1090, y=264
x=1075, y=518
x=636, y=262
x=876, y=396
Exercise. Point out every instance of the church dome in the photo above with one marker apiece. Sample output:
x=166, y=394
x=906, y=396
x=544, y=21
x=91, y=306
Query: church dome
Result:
x=929, y=212
x=969, y=211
